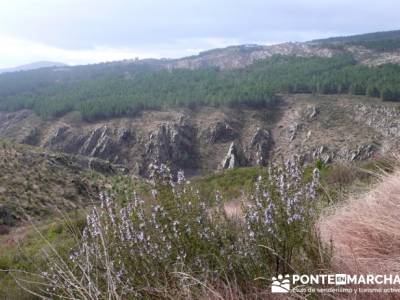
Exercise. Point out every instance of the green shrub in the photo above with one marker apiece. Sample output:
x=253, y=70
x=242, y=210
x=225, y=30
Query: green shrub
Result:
x=176, y=244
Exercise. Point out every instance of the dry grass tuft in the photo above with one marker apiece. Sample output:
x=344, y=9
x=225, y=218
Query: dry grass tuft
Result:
x=365, y=231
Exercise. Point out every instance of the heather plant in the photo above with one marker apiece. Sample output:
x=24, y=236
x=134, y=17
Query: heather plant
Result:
x=177, y=245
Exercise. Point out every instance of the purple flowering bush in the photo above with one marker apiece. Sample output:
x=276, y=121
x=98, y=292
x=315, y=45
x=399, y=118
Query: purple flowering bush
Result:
x=177, y=245
x=281, y=215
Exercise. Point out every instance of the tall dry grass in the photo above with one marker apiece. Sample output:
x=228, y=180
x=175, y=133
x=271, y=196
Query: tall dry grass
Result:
x=365, y=231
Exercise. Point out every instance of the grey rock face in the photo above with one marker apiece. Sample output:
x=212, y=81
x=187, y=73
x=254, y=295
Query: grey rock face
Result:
x=312, y=112
x=329, y=154
x=323, y=153
x=220, y=132
x=260, y=145
x=363, y=152
x=60, y=135
x=234, y=157
x=173, y=143
x=98, y=144
x=210, y=138
x=292, y=131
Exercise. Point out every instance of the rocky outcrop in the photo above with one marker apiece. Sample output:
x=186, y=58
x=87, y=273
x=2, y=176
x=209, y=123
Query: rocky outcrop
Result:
x=208, y=138
x=172, y=143
x=292, y=131
x=220, y=132
x=322, y=153
x=259, y=147
x=311, y=112
x=234, y=158
x=99, y=143
x=329, y=154
x=363, y=152
x=60, y=134
x=384, y=119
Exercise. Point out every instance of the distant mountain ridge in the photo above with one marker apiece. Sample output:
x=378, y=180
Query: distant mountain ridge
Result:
x=237, y=56
x=236, y=106
x=378, y=42
x=375, y=48
x=374, y=36
x=233, y=76
x=34, y=66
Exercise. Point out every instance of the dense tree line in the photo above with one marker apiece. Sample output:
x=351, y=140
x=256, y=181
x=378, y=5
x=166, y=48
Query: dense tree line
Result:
x=119, y=89
x=125, y=90
x=337, y=75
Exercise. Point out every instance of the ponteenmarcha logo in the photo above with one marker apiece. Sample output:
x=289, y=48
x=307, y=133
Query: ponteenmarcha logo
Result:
x=280, y=284
x=284, y=283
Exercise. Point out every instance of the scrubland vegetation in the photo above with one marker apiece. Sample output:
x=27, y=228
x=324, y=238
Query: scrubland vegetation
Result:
x=176, y=243
x=221, y=236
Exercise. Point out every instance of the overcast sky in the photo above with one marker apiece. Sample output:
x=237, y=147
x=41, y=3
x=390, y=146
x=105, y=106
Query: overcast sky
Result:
x=88, y=31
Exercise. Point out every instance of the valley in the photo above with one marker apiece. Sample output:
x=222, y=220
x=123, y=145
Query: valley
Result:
x=188, y=178
x=203, y=140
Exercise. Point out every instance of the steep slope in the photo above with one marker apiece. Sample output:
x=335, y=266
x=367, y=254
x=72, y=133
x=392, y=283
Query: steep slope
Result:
x=192, y=140
x=237, y=106
x=327, y=127
x=35, y=183
x=336, y=128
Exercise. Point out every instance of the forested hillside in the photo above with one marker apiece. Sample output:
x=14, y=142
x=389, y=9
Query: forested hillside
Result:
x=123, y=89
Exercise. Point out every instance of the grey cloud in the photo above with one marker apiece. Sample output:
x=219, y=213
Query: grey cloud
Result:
x=86, y=24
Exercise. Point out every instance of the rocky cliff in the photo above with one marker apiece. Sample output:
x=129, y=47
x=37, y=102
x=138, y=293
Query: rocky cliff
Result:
x=326, y=127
